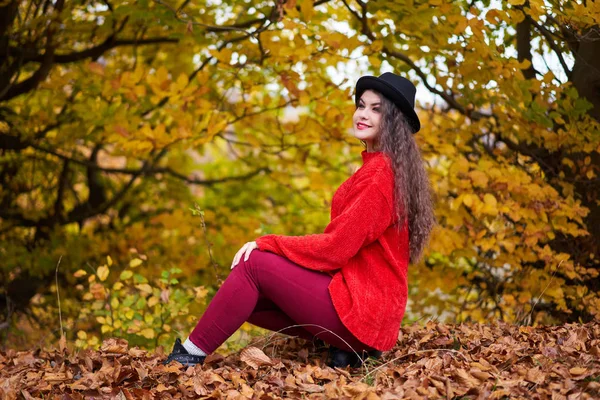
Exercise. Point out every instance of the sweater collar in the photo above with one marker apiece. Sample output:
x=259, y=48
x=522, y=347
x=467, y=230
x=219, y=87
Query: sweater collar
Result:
x=366, y=156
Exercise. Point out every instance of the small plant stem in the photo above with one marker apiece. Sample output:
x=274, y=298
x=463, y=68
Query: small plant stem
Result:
x=62, y=332
x=199, y=211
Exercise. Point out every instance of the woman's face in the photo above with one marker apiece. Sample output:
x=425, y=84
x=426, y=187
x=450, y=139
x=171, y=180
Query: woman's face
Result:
x=367, y=117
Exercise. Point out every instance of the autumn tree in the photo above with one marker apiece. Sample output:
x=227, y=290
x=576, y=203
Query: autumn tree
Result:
x=115, y=117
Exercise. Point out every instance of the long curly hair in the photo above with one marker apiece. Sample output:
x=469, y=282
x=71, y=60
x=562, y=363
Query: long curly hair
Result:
x=412, y=189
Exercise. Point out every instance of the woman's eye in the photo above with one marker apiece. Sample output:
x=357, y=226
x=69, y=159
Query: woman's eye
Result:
x=376, y=109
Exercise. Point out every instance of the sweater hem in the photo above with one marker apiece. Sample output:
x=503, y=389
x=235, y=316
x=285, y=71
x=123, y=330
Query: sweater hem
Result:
x=364, y=340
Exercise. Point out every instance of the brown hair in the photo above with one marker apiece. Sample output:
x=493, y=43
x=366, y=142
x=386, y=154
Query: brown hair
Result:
x=412, y=189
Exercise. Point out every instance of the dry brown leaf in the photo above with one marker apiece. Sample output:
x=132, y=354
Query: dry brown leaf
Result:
x=212, y=378
x=425, y=338
x=114, y=346
x=466, y=378
x=255, y=357
x=311, y=387
x=482, y=376
x=26, y=395
x=303, y=355
x=578, y=371
x=290, y=381
x=55, y=377
x=62, y=343
x=136, y=352
x=498, y=394
x=535, y=375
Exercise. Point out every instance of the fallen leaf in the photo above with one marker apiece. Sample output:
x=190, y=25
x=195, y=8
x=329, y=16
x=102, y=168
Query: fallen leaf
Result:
x=578, y=371
x=311, y=387
x=115, y=346
x=255, y=357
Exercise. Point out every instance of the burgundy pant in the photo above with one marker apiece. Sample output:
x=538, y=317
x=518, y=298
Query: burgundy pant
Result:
x=272, y=292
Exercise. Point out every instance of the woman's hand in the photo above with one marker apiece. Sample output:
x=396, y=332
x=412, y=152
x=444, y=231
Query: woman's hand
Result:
x=245, y=251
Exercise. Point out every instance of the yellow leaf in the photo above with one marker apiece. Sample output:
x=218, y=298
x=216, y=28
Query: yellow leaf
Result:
x=148, y=333
x=144, y=287
x=468, y=200
x=135, y=263
x=181, y=82
x=307, y=9
x=524, y=64
x=152, y=301
x=461, y=25
x=555, y=292
x=139, y=91
x=377, y=45
x=509, y=246
x=102, y=272
x=489, y=205
x=162, y=74
x=479, y=178
x=490, y=200
x=79, y=273
x=114, y=303
x=117, y=286
x=109, y=261
x=82, y=335
x=375, y=61
x=125, y=275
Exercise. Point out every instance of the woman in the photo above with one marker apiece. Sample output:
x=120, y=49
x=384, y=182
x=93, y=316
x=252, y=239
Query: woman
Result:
x=348, y=285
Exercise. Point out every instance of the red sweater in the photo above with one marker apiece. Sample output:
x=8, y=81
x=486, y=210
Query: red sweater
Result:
x=362, y=250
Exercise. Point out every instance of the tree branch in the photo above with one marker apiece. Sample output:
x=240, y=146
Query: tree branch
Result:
x=524, y=46
x=95, y=52
x=210, y=182
x=62, y=184
x=548, y=35
x=14, y=90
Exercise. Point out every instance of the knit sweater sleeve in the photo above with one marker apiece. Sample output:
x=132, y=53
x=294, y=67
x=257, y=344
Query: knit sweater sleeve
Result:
x=365, y=217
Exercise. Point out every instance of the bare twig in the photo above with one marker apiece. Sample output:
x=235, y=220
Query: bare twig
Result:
x=413, y=353
x=62, y=332
x=543, y=291
x=198, y=211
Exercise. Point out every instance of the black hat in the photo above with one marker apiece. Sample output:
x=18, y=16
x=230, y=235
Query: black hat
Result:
x=396, y=88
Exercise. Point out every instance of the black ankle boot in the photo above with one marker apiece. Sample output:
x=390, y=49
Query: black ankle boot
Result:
x=180, y=354
x=341, y=359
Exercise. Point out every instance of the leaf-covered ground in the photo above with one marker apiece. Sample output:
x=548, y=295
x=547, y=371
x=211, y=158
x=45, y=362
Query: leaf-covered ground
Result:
x=435, y=361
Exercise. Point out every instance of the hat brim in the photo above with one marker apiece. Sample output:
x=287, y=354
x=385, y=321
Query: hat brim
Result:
x=381, y=86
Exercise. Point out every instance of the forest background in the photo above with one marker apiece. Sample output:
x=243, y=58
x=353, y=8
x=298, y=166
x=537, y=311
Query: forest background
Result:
x=143, y=143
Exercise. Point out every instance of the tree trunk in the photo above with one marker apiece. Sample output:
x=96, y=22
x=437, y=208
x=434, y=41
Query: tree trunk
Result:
x=586, y=78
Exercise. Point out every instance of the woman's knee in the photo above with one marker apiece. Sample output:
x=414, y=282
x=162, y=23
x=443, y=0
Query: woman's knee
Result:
x=250, y=266
x=257, y=259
